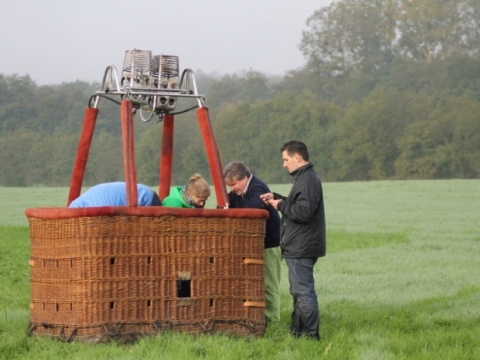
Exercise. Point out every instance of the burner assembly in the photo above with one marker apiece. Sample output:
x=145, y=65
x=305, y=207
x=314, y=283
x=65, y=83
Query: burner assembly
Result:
x=152, y=83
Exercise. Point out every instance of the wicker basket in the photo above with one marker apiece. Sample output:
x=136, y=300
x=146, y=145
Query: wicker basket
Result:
x=120, y=272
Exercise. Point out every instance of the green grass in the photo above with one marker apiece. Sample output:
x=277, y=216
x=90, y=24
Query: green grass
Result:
x=400, y=281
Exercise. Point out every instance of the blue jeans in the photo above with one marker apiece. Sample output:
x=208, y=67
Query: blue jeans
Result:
x=305, y=315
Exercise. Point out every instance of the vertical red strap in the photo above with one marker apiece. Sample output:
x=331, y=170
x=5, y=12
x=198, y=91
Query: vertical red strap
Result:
x=166, y=159
x=82, y=154
x=213, y=157
x=128, y=153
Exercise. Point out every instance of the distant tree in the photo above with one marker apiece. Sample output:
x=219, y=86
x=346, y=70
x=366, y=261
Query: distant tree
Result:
x=254, y=133
x=443, y=143
x=350, y=35
x=188, y=151
x=18, y=96
x=432, y=29
x=233, y=89
x=367, y=135
x=147, y=155
x=466, y=136
x=15, y=148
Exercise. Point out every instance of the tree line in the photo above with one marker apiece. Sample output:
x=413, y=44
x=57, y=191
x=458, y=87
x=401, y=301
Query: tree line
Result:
x=390, y=90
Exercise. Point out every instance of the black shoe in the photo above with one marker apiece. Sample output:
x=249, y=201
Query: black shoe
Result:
x=306, y=336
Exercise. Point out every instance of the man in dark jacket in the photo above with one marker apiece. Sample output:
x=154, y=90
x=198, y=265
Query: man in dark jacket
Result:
x=303, y=236
x=245, y=193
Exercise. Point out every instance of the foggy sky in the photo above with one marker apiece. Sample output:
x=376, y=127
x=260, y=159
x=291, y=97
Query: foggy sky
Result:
x=57, y=41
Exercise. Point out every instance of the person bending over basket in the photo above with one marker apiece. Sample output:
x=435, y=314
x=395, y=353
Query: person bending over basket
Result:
x=193, y=195
x=245, y=191
x=114, y=194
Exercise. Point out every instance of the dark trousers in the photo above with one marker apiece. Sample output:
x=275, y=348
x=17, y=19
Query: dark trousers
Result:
x=306, y=315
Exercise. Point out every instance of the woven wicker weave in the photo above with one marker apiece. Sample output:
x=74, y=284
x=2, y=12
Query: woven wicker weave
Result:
x=103, y=273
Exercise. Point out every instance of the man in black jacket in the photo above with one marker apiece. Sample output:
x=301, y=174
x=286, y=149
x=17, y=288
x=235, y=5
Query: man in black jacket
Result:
x=303, y=236
x=245, y=193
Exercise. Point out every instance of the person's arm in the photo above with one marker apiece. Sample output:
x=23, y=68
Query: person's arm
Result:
x=231, y=200
x=272, y=199
x=255, y=192
x=304, y=203
x=171, y=201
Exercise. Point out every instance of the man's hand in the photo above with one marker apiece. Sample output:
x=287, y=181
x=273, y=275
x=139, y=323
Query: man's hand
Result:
x=268, y=200
x=266, y=197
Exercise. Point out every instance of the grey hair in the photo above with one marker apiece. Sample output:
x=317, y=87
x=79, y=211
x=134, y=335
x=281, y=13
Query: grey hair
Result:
x=235, y=170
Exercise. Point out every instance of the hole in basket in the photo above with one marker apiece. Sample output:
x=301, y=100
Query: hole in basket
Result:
x=149, y=260
x=148, y=303
x=71, y=263
x=112, y=261
x=71, y=307
x=56, y=307
x=211, y=302
x=112, y=305
x=183, y=288
x=211, y=259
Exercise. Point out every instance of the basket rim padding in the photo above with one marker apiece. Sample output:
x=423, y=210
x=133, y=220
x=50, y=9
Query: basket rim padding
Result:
x=50, y=213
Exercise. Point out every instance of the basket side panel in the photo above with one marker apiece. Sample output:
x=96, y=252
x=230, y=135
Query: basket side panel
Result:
x=92, y=274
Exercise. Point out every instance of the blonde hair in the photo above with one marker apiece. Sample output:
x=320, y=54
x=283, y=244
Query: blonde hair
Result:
x=198, y=187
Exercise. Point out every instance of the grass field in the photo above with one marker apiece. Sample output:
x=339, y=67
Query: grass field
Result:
x=401, y=280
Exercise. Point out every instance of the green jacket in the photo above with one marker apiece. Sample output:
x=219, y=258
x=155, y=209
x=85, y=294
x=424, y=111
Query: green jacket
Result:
x=175, y=199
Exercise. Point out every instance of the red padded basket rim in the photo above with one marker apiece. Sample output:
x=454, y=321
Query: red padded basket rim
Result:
x=49, y=213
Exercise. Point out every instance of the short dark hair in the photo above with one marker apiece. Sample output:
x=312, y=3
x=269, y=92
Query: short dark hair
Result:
x=296, y=147
x=236, y=170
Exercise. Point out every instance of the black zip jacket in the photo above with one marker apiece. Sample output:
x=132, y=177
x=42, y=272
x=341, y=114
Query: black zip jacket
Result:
x=303, y=230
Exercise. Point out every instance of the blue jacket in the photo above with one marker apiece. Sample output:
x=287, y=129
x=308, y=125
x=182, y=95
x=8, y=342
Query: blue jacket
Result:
x=251, y=199
x=112, y=194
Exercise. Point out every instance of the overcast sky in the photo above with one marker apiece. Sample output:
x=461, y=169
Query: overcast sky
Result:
x=57, y=41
